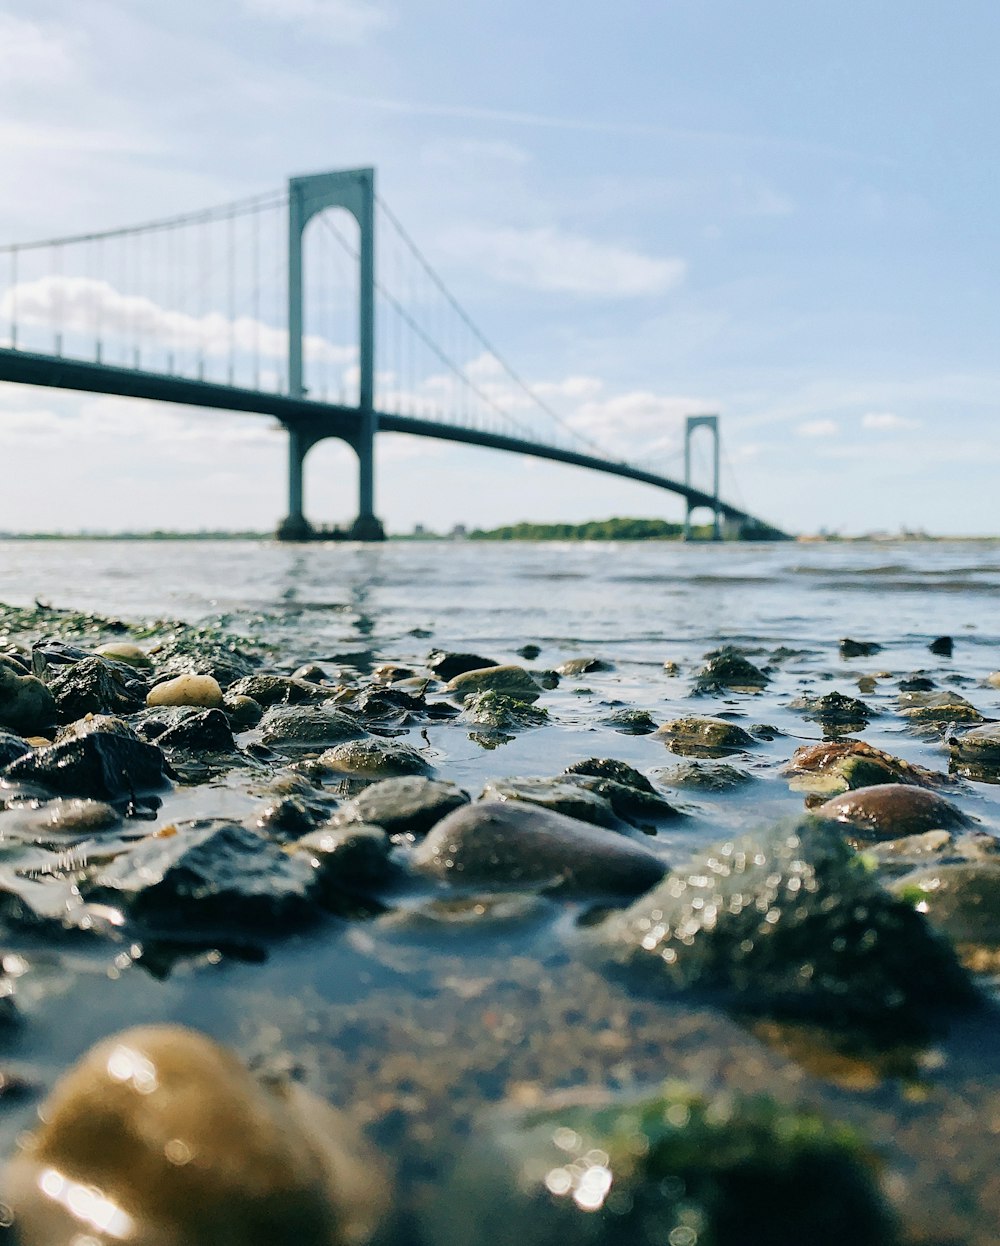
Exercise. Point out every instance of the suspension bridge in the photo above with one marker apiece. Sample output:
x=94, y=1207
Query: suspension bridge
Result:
x=218, y=310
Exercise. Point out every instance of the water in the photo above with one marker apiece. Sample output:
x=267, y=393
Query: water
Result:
x=413, y=1024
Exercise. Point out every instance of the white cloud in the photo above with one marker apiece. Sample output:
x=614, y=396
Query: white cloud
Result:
x=32, y=55
x=818, y=428
x=554, y=260
x=90, y=307
x=887, y=422
x=339, y=21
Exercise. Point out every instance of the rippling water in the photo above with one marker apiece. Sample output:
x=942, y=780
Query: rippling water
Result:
x=634, y=605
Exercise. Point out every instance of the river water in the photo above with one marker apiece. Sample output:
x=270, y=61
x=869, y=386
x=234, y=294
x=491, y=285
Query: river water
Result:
x=358, y=1007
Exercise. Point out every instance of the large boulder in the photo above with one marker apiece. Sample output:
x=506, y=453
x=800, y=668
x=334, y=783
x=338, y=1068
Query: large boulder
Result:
x=789, y=921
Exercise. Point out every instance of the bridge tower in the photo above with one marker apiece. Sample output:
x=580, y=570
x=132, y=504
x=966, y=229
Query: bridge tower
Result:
x=354, y=191
x=711, y=422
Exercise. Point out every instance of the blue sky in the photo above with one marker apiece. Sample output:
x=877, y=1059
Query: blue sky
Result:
x=777, y=211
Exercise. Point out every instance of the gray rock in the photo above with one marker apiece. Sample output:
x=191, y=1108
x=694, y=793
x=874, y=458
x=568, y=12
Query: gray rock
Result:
x=12, y=747
x=210, y=876
x=976, y=753
x=244, y=713
x=697, y=776
x=59, y=819
x=560, y=796
x=729, y=671
x=498, y=712
x=308, y=728
x=611, y=768
x=101, y=765
x=410, y=804
x=630, y=721
x=583, y=666
x=204, y=731
x=346, y=858
x=511, y=843
x=788, y=921
x=268, y=690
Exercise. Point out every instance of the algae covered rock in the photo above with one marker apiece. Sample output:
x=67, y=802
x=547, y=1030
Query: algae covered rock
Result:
x=628, y=721
x=97, y=686
x=704, y=737
x=962, y=899
x=446, y=665
x=679, y=1168
x=728, y=670
x=512, y=843
x=559, y=796
x=844, y=764
x=511, y=681
x=976, y=753
x=375, y=758
x=789, y=922
x=834, y=710
x=307, y=728
x=498, y=712
x=160, y=1137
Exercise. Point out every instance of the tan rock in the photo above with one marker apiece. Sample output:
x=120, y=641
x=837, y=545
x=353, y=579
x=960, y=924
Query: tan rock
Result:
x=160, y=1137
x=122, y=651
x=200, y=690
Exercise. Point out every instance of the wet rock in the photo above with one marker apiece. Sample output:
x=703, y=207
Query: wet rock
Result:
x=205, y=732
x=935, y=711
x=858, y=648
x=976, y=753
x=699, y=777
x=101, y=764
x=729, y=671
x=704, y=737
x=681, y=1168
x=291, y=816
x=583, y=666
x=199, y=690
x=108, y=724
x=208, y=876
x=910, y=849
x=891, y=810
x=96, y=686
x=498, y=712
x=834, y=709
x=447, y=665
x=160, y=1136
x=611, y=768
x=917, y=682
x=512, y=843
x=944, y=646
x=346, y=858
x=630, y=721
x=310, y=673
x=841, y=765
x=390, y=705
x=510, y=681
x=993, y=679
x=26, y=705
x=961, y=899
x=671, y=668
x=12, y=747
x=565, y=798
x=375, y=758
x=244, y=713
x=529, y=652
x=633, y=805
x=407, y=805
x=789, y=922
x=302, y=728
x=58, y=819
x=392, y=672
x=268, y=690
x=122, y=651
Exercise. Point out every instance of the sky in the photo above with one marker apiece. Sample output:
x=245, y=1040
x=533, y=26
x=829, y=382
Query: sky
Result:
x=782, y=213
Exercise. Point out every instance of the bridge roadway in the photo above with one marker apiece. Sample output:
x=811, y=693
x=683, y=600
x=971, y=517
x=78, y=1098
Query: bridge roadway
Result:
x=321, y=419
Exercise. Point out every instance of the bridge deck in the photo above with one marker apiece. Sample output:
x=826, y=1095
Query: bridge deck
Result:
x=319, y=419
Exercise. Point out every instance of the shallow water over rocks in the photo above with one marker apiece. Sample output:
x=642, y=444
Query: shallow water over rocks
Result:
x=250, y=892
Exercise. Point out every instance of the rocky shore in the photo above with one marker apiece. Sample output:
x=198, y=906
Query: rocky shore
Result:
x=716, y=967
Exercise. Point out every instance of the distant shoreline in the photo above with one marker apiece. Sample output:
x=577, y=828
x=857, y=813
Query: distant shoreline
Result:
x=500, y=536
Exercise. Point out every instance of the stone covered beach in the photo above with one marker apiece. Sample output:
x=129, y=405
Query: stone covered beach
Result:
x=533, y=943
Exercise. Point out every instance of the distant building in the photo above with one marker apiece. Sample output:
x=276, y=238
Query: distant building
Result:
x=459, y=532
x=419, y=530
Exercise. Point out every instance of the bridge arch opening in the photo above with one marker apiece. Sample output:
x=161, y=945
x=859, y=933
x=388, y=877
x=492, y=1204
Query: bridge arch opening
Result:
x=711, y=424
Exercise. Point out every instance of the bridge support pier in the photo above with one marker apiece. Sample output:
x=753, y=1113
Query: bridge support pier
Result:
x=367, y=526
x=295, y=526
x=711, y=422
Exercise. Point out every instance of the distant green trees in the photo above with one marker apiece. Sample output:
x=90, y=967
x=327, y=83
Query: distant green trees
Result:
x=616, y=529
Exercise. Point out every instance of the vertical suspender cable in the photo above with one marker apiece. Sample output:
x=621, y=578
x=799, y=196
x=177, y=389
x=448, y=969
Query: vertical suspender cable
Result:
x=231, y=294
x=13, y=298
